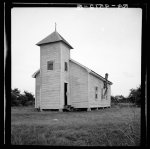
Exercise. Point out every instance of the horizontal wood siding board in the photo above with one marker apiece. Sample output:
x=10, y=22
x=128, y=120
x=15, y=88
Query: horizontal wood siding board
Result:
x=79, y=105
x=48, y=106
x=78, y=101
x=49, y=103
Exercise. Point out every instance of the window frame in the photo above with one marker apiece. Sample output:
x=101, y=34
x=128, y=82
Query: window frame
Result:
x=96, y=92
x=96, y=96
x=48, y=63
x=102, y=96
x=65, y=66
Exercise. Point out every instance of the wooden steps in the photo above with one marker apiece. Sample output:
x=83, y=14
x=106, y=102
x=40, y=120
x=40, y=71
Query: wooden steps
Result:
x=68, y=108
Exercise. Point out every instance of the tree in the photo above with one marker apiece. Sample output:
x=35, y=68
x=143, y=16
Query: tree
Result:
x=24, y=99
x=114, y=100
x=14, y=100
x=30, y=97
x=15, y=93
x=135, y=95
x=119, y=98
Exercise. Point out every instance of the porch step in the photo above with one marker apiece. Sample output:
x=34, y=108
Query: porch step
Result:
x=68, y=108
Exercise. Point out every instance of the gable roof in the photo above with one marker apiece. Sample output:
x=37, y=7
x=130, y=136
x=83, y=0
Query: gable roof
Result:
x=80, y=64
x=99, y=76
x=91, y=72
x=86, y=68
x=36, y=73
x=53, y=37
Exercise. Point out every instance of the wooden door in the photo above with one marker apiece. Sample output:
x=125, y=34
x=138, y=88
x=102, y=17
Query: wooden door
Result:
x=65, y=93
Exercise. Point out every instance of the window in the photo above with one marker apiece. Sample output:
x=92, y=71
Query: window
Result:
x=96, y=88
x=66, y=66
x=95, y=96
x=102, y=94
x=50, y=65
x=96, y=92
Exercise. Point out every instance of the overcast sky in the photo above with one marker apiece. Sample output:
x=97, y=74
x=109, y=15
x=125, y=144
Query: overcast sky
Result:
x=105, y=40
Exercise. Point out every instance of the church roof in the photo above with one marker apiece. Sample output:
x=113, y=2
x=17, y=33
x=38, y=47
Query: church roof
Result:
x=53, y=37
x=91, y=71
x=36, y=73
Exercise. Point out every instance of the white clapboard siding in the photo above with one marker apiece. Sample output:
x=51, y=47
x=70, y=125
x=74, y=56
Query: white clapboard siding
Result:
x=50, y=79
x=99, y=102
x=37, y=91
x=65, y=56
x=78, y=86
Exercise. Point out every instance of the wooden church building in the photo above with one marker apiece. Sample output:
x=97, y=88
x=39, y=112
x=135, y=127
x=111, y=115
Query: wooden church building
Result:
x=62, y=82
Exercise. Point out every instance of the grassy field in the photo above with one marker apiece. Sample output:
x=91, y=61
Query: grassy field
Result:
x=116, y=126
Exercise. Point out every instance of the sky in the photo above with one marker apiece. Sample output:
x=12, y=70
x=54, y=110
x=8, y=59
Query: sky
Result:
x=106, y=40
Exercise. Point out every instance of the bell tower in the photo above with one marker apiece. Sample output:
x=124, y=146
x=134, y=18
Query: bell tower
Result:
x=54, y=71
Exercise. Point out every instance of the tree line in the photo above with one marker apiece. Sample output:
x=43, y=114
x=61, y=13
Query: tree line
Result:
x=27, y=98
x=24, y=99
x=133, y=97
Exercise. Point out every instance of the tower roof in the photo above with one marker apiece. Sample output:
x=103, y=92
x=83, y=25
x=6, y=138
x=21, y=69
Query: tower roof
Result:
x=53, y=37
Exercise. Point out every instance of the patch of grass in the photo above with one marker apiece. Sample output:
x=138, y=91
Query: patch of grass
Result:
x=109, y=127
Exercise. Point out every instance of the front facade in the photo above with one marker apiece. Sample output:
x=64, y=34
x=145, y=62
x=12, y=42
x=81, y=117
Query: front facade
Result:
x=61, y=81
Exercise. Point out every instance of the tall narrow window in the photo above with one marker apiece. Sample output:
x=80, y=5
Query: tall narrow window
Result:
x=50, y=65
x=66, y=66
x=96, y=96
x=96, y=92
x=102, y=94
x=96, y=88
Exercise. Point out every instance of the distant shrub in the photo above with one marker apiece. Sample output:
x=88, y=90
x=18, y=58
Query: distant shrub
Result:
x=23, y=99
x=14, y=101
x=29, y=103
x=30, y=97
x=114, y=100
